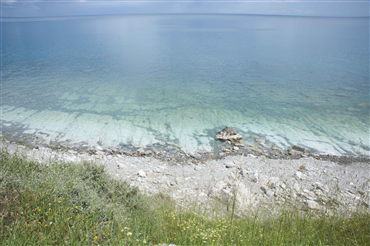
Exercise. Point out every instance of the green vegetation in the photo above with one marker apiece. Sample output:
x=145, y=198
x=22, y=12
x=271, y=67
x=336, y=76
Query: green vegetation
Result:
x=68, y=204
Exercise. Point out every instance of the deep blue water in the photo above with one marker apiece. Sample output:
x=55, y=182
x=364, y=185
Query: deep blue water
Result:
x=292, y=80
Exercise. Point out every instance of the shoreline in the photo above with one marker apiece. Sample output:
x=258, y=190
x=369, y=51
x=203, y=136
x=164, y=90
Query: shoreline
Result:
x=172, y=152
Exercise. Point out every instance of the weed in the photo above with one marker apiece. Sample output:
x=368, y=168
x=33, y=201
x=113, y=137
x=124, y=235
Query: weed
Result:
x=79, y=204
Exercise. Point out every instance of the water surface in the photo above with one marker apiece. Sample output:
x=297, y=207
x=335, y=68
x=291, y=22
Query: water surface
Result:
x=181, y=78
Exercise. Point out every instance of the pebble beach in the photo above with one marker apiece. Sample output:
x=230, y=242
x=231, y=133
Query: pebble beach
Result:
x=267, y=179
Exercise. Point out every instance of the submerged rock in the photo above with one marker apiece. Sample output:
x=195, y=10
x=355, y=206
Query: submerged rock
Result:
x=301, y=149
x=136, y=146
x=364, y=105
x=257, y=150
x=240, y=143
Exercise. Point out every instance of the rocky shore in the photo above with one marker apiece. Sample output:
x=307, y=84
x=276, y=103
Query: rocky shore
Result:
x=252, y=177
x=170, y=151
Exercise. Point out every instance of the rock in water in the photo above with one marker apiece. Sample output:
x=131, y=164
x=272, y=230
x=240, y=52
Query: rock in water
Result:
x=229, y=134
x=240, y=143
x=140, y=151
x=295, y=153
x=301, y=149
x=257, y=150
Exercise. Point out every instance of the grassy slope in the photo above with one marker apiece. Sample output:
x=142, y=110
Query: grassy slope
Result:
x=68, y=204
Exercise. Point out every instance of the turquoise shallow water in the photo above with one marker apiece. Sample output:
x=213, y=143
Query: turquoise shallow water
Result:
x=181, y=78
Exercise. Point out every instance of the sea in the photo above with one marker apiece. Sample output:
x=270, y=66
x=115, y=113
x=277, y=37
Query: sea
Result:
x=151, y=80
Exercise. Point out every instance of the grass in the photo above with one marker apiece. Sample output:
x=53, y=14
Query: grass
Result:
x=69, y=204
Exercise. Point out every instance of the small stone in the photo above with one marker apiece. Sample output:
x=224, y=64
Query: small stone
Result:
x=301, y=149
x=236, y=148
x=302, y=168
x=195, y=161
x=296, y=187
x=240, y=143
x=97, y=147
x=313, y=205
x=270, y=193
x=299, y=175
x=366, y=203
x=276, y=148
x=196, y=156
x=257, y=150
x=294, y=153
x=264, y=189
x=120, y=166
x=254, y=178
x=260, y=141
x=177, y=146
x=141, y=173
x=273, y=182
x=100, y=153
x=202, y=152
x=226, y=150
x=179, y=180
x=229, y=164
x=141, y=151
x=319, y=193
x=245, y=172
x=136, y=146
x=321, y=187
